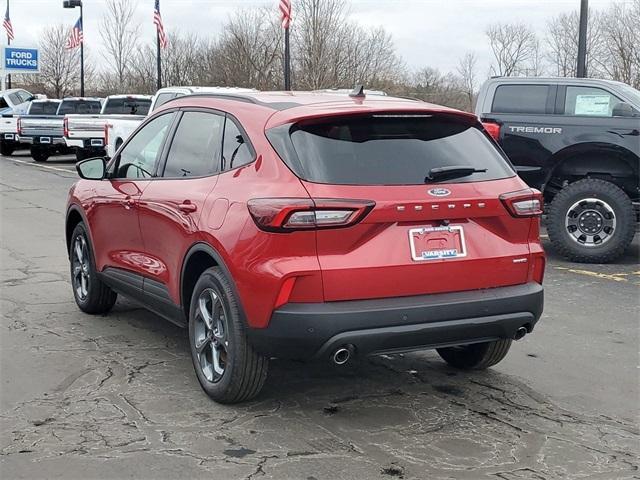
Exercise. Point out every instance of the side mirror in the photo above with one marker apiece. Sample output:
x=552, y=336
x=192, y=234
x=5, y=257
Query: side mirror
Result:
x=622, y=110
x=92, y=168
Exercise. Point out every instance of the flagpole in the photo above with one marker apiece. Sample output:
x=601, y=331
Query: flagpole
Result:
x=158, y=59
x=8, y=43
x=82, y=53
x=287, y=61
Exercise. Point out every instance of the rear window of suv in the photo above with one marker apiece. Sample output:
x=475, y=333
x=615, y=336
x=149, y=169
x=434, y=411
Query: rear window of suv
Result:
x=386, y=150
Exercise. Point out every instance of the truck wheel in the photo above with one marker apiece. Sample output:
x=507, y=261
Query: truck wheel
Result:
x=228, y=368
x=6, y=149
x=476, y=356
x=591, y=221
x=39, y=154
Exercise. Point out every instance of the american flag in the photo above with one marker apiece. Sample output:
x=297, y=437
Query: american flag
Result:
x=7, y=24
x=285, y=12
x=76, y=37
x=157, y=20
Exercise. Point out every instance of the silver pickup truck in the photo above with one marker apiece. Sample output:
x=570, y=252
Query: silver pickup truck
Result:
x=45, y=133
x=86, y=133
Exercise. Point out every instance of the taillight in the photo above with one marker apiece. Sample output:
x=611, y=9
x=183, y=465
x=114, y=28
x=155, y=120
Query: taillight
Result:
x=106, y=134
x=19, y=126
x=523, y=203
x=290, y=214
x=65, y=127
x=492, y=129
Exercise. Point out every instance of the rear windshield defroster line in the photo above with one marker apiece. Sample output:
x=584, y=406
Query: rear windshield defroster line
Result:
x=391, y=149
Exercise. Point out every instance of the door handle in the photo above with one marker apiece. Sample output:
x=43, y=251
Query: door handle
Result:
x=187, y=206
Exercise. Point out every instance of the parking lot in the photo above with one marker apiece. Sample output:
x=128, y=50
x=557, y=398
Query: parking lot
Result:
x=116, y=396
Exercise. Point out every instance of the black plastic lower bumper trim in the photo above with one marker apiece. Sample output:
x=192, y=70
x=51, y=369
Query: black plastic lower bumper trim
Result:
x=314, y=330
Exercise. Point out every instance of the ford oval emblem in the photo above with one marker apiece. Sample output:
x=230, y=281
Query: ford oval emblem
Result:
x=439, y=192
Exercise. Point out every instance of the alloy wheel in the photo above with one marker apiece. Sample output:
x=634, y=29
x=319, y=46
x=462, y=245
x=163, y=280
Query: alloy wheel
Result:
x=210, y=335
x=81, y=267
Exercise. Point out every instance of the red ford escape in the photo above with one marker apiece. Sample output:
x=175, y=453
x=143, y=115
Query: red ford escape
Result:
x=311, y=226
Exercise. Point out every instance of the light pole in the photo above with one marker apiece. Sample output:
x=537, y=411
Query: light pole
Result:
x=582, y=39
x=74, y=4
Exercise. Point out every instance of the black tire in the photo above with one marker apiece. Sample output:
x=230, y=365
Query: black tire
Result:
x=612, y=197
x=476, y=356
x=39, y=154
x=245, y=371
x=99, y=298
x=6, y=149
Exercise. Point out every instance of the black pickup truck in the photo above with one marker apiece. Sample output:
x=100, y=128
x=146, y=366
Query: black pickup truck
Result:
x=577, y=141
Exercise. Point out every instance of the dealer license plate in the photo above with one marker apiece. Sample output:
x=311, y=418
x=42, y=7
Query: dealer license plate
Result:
x=437, y=243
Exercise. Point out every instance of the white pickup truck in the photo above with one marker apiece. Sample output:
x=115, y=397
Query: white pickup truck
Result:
x=86, y=133
x=45, y=133
x=12, y=103
x=117, y=130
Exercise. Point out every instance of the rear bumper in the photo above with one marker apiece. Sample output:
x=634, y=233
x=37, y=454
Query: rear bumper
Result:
x=315, y=330
x=95, y=143
x=36, y=141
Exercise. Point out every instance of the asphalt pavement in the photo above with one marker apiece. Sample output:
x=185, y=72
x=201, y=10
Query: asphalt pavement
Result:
x=115, y=396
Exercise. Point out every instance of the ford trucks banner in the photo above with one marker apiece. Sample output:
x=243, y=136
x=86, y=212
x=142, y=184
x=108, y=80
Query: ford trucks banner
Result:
x=20, y=60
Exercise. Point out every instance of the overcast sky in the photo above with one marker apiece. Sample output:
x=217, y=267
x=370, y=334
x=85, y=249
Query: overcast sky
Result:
x=426, y=32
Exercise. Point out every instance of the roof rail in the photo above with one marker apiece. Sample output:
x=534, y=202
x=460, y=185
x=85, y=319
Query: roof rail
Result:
x=222, y=96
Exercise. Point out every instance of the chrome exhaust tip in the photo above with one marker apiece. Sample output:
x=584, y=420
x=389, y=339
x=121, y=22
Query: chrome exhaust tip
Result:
x=521, y=332
x=341, y=356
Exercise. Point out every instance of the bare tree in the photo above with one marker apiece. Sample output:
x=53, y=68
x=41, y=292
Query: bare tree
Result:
x=60, y=68
x=514, y=46
x=120, y=34
x=430, y=85
x=249, y=50
x=561, y=44
x=330, y=51
x=318, y=34
x=621, y=32
x=467, y=71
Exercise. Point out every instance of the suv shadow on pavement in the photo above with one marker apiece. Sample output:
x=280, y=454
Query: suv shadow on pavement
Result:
x=129, y=397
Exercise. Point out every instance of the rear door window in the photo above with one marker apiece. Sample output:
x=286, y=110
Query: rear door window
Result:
x=195, y=148
x=387, y=149
x=127, y=106
x=531, y=99
x=589, y=101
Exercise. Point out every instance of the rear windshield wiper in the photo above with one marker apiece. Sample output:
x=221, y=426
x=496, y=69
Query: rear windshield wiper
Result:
x=438, y=174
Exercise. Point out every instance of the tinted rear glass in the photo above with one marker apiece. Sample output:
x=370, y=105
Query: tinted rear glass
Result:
x=44, y=108
x=520, y=99
x=127, y=106
x=387, y=150
x=79, y=106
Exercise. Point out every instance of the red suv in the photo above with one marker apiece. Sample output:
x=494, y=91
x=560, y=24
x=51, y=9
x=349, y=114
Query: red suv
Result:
x=310, y=226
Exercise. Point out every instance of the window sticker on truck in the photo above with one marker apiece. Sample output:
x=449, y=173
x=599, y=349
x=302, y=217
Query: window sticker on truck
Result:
x=592, y=105
x=552, y=130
